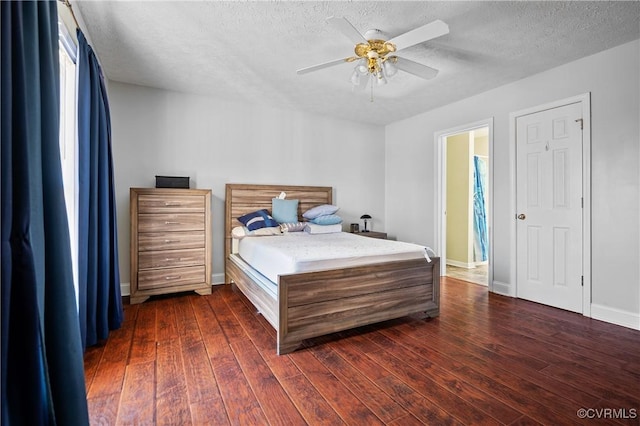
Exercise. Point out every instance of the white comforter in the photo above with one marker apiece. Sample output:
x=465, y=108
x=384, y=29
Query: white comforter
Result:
x=295, y=252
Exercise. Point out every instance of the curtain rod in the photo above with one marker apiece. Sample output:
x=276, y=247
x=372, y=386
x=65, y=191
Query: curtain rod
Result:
x=73, y=15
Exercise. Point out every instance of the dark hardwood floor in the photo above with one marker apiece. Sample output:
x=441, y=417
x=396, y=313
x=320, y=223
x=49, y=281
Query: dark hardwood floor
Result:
x=488, y=359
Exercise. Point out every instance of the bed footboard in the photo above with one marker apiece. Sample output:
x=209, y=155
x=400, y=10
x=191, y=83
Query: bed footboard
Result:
x=317, y=303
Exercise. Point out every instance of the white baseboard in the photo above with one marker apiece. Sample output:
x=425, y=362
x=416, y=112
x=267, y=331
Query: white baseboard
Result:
x=461, y=264
x=504, y=289
x=615, y=316
x=216, y=279
x=125, y=289
x=598, y=312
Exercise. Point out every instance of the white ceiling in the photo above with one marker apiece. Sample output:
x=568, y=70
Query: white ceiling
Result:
x=250, y=51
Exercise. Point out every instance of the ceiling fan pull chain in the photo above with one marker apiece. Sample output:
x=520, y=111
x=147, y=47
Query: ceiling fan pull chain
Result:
x=371, y=80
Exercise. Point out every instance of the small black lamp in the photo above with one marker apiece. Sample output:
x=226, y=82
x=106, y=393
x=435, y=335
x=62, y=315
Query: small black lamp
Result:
x=366, y=218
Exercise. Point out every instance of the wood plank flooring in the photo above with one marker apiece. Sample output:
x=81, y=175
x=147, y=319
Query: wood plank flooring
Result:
x=488, y=359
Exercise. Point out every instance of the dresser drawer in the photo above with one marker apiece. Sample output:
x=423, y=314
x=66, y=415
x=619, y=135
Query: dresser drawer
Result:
x=157, y=203
x=158, y=278
x=170, y=240
x=170, y=258
x=171, y=222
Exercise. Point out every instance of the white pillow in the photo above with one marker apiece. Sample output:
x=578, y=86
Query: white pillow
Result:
x=312, y=228
x=239, y=232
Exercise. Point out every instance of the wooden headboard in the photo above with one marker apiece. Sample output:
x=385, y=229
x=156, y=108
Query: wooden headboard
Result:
x=241, y=199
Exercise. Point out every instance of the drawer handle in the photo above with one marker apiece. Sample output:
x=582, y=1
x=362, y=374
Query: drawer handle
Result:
x=171, y=223
x=171, y=241
x=173, y=277
x=170, y=259
x=168, y=204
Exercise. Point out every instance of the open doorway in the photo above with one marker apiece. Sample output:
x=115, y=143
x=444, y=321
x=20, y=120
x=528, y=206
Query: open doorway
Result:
x=464, y=202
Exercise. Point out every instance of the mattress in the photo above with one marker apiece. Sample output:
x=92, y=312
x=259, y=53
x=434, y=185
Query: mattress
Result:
x=296, y=252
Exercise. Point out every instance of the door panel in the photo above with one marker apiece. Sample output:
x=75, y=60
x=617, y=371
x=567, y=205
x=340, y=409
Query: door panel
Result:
x=533, y=254
x=549, y=207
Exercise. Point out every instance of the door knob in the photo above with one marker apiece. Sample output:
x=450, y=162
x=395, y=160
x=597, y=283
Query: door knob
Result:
x=521, y=216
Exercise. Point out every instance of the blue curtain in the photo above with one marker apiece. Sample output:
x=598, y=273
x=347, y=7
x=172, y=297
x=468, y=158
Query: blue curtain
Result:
x=479, y=210
x=100, y=303
x=42, y=357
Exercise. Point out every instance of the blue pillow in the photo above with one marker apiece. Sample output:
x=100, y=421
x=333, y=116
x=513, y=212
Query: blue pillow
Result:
x=323, y=210
x=258, y=219
x=284, y=211
x=327, y=219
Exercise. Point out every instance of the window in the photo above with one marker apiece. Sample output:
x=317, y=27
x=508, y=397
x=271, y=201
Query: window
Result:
x=68, y=140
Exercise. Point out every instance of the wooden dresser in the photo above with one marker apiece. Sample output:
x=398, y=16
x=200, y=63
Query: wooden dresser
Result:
x=170, y=241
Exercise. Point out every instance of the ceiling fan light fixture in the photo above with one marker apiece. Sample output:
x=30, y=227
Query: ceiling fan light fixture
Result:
x=355, y=77
x=389, y=67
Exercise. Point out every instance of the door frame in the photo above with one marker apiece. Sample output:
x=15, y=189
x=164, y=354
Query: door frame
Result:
x=440, y=203
x=585, y=100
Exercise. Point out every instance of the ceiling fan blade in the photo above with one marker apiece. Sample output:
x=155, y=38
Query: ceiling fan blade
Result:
x=421, y=34
x=324, y=65
x=345, y=27
x=415, y=68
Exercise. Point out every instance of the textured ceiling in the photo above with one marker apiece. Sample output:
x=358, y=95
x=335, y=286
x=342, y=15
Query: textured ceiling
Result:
x=250, y=51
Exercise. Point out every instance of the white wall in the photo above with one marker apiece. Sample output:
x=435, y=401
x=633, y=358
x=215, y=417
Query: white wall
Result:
x=612, y=77
x=157, y=132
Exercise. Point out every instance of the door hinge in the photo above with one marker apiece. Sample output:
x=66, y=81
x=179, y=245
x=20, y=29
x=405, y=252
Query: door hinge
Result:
x=582, y=202
x=579, y=120
x=582, y=280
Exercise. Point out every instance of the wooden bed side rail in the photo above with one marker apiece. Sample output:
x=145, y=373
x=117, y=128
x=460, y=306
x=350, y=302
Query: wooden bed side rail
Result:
x=317, y=303
x=264, y=303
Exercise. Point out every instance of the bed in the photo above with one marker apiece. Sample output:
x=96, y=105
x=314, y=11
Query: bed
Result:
x=304, y=305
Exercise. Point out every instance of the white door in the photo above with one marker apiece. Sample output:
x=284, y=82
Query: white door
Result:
x=549, y=207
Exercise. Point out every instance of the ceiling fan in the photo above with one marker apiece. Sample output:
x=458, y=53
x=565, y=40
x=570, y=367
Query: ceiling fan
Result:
x=376, y=57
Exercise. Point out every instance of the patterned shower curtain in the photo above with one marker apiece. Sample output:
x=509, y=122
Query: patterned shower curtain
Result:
x=479, y=210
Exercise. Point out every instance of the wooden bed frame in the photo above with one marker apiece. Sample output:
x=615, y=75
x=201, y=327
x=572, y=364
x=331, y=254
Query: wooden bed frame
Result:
x=313, y=304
